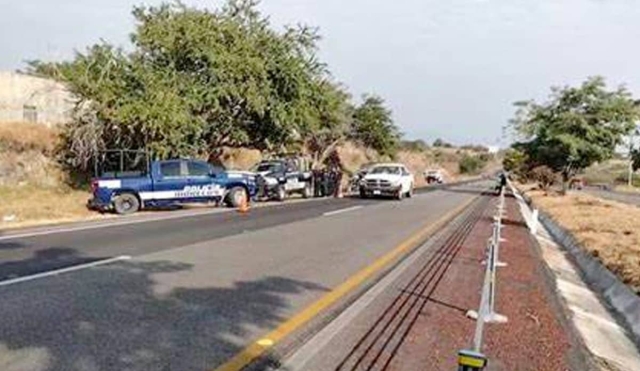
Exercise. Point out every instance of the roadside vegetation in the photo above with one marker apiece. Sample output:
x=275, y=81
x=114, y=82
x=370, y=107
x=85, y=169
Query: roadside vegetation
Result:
x=575, y=128
x=33, y=187
x=195, y=81
x=575, y=133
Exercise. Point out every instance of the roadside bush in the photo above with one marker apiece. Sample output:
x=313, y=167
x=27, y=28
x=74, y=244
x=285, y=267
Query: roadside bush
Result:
x=544, y=176
x=475, y=148
x=515, y=162
x=471, y=164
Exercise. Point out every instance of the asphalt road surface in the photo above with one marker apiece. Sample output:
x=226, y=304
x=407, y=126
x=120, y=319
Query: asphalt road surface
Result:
x=627, y=198
x=198, y=288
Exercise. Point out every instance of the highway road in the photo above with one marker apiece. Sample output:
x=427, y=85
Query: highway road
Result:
x=196, y=290
x=626, y=198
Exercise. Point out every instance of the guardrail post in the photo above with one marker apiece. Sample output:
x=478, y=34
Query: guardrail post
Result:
x=533, y=228
x=470, y=360
x=474, y=360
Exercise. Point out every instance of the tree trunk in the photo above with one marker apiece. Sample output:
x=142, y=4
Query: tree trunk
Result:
x=565, y=183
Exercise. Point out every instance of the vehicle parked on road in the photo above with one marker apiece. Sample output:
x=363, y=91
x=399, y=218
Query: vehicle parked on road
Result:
x=433, y=176
x=277, y=179
x=387, y=179
x=167, y=183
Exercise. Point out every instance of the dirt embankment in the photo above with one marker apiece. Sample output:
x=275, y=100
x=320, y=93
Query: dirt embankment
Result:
x=33, y=189
x=609, y=230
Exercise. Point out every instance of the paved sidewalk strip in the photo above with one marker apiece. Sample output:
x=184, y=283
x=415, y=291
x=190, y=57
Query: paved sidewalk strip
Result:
x=537, y=336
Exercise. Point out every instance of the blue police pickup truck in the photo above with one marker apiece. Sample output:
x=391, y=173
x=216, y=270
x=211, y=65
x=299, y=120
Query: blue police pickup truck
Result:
x=170, y=182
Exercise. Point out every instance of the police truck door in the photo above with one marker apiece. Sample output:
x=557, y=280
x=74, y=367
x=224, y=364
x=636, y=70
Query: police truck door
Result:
x=201, y=183
x=171, y=181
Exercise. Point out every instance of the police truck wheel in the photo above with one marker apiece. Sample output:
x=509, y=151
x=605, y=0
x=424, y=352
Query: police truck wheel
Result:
x=410, y=192
x=236, y=196
x=126, y=203
x=281, y=194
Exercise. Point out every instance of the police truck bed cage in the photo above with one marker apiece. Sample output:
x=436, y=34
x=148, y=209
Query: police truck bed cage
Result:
x=121, y=163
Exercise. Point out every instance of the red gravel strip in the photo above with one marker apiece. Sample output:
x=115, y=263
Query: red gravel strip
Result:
x=536, y=337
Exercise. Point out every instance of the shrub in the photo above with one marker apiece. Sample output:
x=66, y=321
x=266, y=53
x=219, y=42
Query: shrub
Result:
x=471, y=164
x=544, y=176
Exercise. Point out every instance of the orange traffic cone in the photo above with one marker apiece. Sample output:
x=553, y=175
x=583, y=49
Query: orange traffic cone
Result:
x=243, y=208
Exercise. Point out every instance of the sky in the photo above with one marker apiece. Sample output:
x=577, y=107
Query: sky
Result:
x=447, y=68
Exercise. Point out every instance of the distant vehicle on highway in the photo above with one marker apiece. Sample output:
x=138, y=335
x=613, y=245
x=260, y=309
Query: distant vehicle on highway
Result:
x=390, y=179
x=433, y=176
x=576, y=184
x=170, y=182
x=279, y=178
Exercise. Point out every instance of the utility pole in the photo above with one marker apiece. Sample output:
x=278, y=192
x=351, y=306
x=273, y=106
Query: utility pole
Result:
x=633, y=137
x=630, y=176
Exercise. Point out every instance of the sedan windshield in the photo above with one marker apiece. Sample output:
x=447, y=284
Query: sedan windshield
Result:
x=395, y=170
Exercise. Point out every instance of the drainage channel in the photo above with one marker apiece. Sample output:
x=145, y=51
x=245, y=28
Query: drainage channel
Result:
x=378, y=346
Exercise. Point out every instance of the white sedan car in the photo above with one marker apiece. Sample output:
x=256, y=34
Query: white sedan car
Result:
x=387, y=180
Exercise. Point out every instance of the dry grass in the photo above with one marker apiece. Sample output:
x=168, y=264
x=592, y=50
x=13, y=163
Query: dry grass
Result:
x=239, y=158
x=609, y=230
x=22, y=206
x=32, y=186
x=353, y=157
x=22, y=137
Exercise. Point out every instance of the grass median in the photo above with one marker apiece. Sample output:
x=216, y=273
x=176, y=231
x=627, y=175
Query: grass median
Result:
x=609, y=230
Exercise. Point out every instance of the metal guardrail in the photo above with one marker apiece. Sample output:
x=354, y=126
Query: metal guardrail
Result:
x=473, y=359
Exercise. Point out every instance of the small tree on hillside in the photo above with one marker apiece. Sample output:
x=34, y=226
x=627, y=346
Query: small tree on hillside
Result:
x=441, y=143
x=469, y=164
x=576, y=127
x=373, y=126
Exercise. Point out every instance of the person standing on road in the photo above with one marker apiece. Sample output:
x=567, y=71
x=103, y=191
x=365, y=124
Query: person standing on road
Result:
x=337, y=170
x=503, y=181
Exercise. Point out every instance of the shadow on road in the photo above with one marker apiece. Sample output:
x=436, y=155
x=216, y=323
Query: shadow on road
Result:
x=44, y=260
x=112, y=319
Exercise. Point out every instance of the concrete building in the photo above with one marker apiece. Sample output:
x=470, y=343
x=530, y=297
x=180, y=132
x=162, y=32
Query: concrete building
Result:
x=25, y=98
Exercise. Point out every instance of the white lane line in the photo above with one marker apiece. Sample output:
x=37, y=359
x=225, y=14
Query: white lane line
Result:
x=141, y=219
x=346, y=210
x=99, y=225
x=63, y=270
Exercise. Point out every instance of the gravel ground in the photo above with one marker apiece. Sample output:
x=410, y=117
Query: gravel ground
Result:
x=536, y=338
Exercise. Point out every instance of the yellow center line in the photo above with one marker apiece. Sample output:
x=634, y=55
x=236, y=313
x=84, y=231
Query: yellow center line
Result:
x=258, y=347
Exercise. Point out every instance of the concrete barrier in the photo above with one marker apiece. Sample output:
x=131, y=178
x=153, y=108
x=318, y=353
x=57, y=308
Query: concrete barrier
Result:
x=619, y=296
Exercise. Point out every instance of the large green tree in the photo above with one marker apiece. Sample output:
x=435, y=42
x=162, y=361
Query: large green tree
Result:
x=575, y=127
x=373, y=126
x=197, y=80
